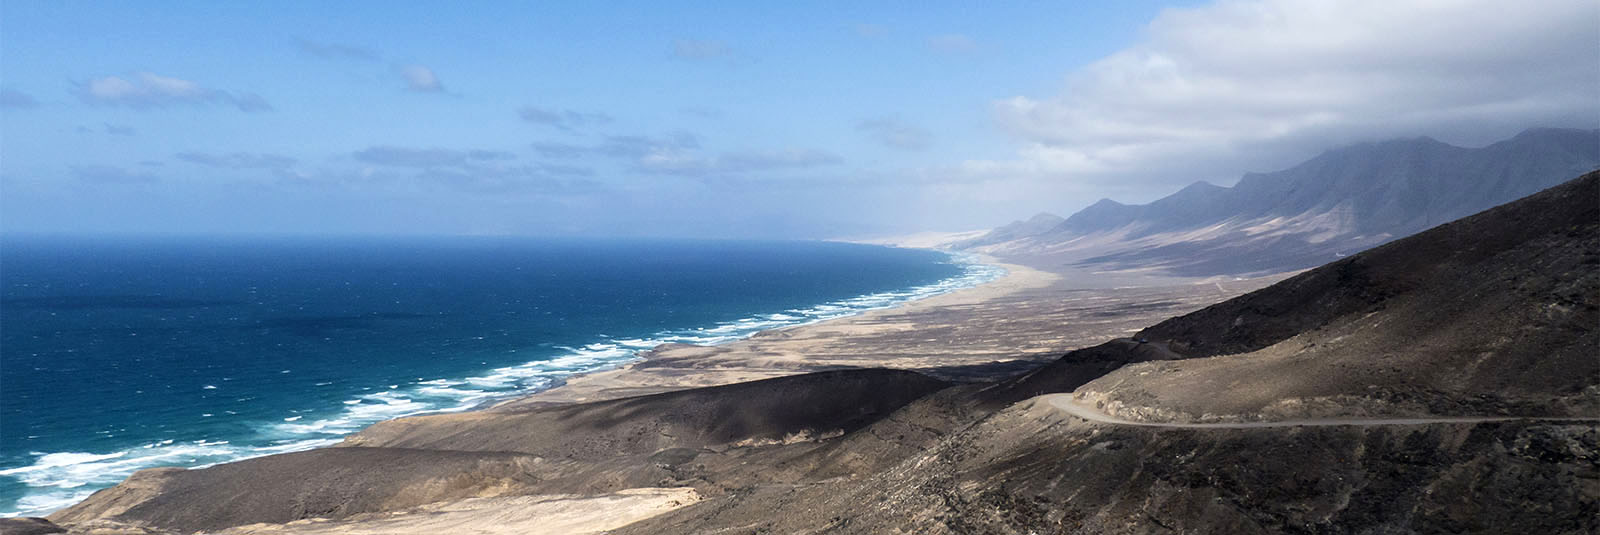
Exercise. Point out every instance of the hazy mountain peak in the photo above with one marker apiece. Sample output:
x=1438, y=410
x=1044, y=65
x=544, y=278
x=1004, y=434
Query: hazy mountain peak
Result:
x=1040, y=223
x=1103, y=214
x=1541, y=132
x=1045, y=217
x=1201, y=185
x=1341, y=201
x=1399, y=147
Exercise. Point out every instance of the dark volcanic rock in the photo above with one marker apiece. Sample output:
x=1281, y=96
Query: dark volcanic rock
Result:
x=1030, y=469
x=784, y=408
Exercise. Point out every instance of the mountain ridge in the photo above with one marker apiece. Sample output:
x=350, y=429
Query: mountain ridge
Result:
x=1344, y=200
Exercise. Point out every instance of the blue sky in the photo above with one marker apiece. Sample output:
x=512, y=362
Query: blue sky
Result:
x=739, y=119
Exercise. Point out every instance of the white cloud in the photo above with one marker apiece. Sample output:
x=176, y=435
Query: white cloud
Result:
x=109, y=174
x=637, y=147
x=567, y=120
x=475, y=171
x=680, y=154
x=1251, y=84
x=421, y=79
x=11, y=98
x=426, y=157
x=335, y=51
x=239, y=160
x=687, y=163
x=744, y=161
x=145, y=90
x=559, y=150
x=896, y=133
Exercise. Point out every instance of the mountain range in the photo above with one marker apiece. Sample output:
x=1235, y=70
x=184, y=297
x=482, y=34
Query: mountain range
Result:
x=1340, y=202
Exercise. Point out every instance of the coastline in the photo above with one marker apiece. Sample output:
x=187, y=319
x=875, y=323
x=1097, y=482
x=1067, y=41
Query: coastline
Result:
x=1007, y=325
x=781, y=351
x=1013, y=323
x=455, y=395
x=577, y=380
x=636, y=357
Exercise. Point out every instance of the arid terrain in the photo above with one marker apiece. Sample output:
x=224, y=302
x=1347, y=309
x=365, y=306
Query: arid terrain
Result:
x=1442, y=383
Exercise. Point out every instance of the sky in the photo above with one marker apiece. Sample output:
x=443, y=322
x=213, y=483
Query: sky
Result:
x=730, y=119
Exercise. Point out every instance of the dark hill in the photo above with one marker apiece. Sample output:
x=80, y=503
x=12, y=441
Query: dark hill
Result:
x=1503, y=305
x=769, y=410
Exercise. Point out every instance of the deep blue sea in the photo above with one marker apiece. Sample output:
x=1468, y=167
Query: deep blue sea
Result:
x=118, y=354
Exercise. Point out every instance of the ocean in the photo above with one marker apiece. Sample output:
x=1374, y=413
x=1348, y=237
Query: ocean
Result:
x=118, y=354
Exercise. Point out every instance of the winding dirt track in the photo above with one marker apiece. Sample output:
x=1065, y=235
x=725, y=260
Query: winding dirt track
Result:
x=1065, y=402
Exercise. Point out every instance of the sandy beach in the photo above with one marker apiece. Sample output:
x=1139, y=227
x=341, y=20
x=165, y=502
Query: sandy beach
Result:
x=1010, y=324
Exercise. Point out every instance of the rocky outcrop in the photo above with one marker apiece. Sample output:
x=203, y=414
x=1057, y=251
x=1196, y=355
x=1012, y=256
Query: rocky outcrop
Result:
x=1031, y=469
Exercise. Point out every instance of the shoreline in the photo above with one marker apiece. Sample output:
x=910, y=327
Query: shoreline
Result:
x=644, y=356
x=1007, y=325
x=626, y=380
x=343, y=421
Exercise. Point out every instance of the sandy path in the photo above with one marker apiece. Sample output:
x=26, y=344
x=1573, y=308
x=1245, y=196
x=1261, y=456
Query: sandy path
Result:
x=1070, y=405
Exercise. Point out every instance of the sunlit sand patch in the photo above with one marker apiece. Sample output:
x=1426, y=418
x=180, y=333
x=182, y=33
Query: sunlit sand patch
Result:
x=523, y=515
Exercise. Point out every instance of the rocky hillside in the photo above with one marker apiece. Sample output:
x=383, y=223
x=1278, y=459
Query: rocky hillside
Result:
x=1485, y=319
x=1492, y=314
x=1338, y=203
